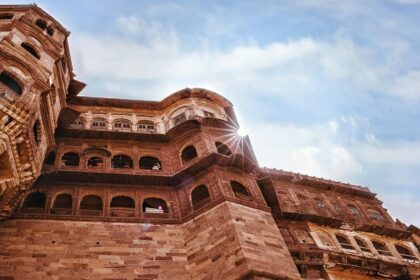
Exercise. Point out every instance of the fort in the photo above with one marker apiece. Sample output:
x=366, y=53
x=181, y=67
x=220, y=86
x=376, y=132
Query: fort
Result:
x=101, y=188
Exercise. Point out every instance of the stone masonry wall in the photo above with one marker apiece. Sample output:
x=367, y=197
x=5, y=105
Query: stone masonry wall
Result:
x=46, y=249
x=229, y=241
x=233, y=241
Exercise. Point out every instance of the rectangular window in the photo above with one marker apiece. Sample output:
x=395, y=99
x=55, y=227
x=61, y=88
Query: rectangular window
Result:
x=180, y=119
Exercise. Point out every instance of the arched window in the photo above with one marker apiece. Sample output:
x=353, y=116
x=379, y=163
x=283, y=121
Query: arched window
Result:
x=50, y=159
x=35, y=200
x=353, y=210
x=30, y=50
x=70, y=159
x=223, y=149
x=99, y=123
x=155, y=206
x=63, y=201
x=41, y=24
x=337, y=207
x=344, y=242
x=122, y=124
x=200, y=196
x=381, y=248
x=79, y=123
x=150, y=163
x=6, y=16
x=319, y=203
x=95, y=162
x=62, y=204
x=375, y=214
x=10, y=83
x=405, y=253
x=188, y=154
x=36, y=129
x=302, y=199
x=146, y=126
x=362, y=245
x=91, y=202
x=122, y=206
x=122, y=201
x=122, y=161
x=239, y=190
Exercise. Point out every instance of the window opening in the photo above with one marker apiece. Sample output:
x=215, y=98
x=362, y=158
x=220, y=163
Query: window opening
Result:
x=122, y=124
x=200, y=196
x=99, y=123
x=180, y=119
x=10, y=83
x=319, y=203
x=30, y=50
x=79, y=123
x=70, y=159
x=41, y=24
x=362, y=245
x=344, y=242
x=405, y=253
x=122, y=202
x=223, y=149
x=36, y=129
x=91, y=202
x=63, y=201
x=155, y=205
x=150, y=163
x=375, y=215
x=50, y=30
x=188, y=154
x=6, y=16
x=146, y=126
x=95, y=162
x=381, y=248
x=50, y=159
x=353, y=210
x=239, y=189
x=35, y=200
x=121, y=161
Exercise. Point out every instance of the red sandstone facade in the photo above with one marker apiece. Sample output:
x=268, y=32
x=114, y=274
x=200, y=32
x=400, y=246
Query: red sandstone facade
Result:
x=97, y=188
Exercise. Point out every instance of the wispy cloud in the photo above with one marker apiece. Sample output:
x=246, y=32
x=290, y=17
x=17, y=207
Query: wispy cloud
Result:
x=328, y=88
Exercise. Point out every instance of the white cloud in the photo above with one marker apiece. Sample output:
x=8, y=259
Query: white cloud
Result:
x=128, y=24
x=286, y=69
x=313, y=150
x=371, y=139
x=403, y=206
x=407, y=86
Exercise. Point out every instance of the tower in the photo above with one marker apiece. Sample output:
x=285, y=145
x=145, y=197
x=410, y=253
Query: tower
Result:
x=36, y=81
x=103, y=188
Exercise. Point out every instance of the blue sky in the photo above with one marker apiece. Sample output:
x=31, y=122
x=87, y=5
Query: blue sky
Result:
x=325, y=88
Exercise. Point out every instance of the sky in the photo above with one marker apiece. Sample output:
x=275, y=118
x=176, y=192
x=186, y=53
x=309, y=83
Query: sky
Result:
x=328, y=88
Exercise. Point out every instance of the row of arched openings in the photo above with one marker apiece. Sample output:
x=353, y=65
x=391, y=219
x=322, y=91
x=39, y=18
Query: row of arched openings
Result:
x=63, y=203
x=93, y=204
x=118, y=161
x=118, y=124
x=373, y=214
x=125, y=161
x=379, y=246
